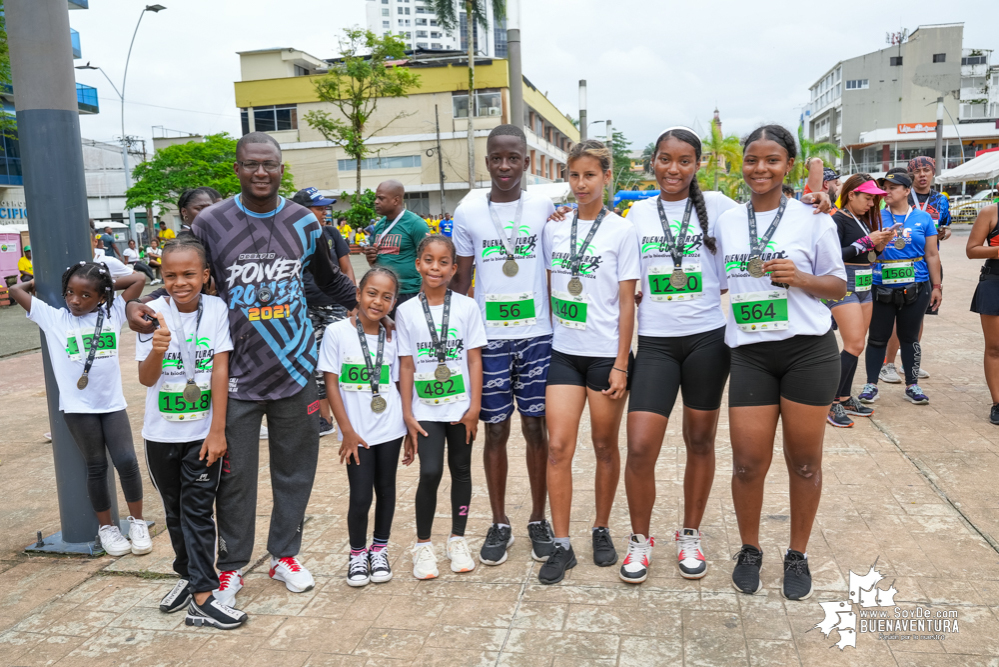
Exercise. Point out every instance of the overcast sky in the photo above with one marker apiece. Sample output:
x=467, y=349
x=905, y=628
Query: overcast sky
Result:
x=649, y=63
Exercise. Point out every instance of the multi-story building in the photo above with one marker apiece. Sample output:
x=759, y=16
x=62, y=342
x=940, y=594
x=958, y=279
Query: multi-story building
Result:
x=881, y=107
x=277, y=91
x=415, y=22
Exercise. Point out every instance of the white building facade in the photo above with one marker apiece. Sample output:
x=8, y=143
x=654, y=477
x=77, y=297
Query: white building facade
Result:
x=415, y=22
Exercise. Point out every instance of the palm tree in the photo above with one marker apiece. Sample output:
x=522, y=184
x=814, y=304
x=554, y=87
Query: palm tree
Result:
x=722, y=152
x=826, y=150
x=476, y=15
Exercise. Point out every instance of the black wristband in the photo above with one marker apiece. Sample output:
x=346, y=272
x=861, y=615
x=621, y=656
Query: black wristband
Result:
x=131, y=301
x=619, y=370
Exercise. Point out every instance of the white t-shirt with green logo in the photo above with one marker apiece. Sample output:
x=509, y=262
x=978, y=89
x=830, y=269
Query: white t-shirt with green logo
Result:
x=696, y=308
x=587, y=325
x=759, y=311
x=506, y=302
x=433, y=400
x=103, y=392
x=169, y=417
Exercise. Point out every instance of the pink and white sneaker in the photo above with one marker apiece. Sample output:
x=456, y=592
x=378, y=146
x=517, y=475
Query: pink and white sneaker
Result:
x=635, y=568
x=230, y=583
x=689, y=556
x=295, y=577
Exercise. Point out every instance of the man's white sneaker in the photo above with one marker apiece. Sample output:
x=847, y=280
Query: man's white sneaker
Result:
x=889, y=374
x=689, y=556
x=113, y=542
x=923, y=373
x=460, y=555
x=424, y=561
x=138, y=532
x=635, y=568
x=295, y=577
x=230, y=583
x=357, y=570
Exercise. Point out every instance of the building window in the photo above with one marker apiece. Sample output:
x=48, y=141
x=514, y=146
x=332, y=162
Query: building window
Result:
x=939, y=57
x=395, y=162
x=436, y=46
x=895, y=61
x=385, y=12
x=499, y=38
x=433, y=22
x=421, y=33
x=385, y=24
x=407, y=11
x=401, y=23
x=974, y=60
x=421, y=45
x=275, y=118
x=435, y=35
x=857, y=84
x=384, y=2
x=301, y=71
x=407, y=23
x=244, y=119
x=972, y=111
x=418, y=203
x=487, y=103
x=421, y=21
x=398, y=11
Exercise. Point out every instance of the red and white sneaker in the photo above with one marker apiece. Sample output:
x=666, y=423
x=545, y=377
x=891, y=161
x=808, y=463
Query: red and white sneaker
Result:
x=689, y=556
x=230, y=583
x=635, y=568
x=295, y=577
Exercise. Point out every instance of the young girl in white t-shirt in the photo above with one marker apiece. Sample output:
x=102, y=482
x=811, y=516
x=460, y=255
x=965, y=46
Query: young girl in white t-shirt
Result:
x=185, y=365
x=357, y=357
x=83, y=348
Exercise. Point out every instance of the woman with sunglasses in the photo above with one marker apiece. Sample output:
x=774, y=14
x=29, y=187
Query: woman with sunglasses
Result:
x=858, y=223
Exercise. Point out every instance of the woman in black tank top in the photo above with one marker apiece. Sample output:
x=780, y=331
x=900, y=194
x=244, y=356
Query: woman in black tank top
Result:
x=983, y=243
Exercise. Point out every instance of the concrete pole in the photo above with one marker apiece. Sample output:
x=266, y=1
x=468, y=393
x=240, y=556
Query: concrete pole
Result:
x=610, y=145
x=938, y=152
x=471, y=28
x=516, y=64
x=582, y=110
x=48, y=125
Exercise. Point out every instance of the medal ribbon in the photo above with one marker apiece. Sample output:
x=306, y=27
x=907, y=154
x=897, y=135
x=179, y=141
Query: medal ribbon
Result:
x=675, y=247
x=508, y=243
x=438, y=342
x=915, y=200
x=93, y=341
x=907, y=213
x=187, y=350
x=576, y=254
x=374, y=370
x=380, y=237
x=758, y=244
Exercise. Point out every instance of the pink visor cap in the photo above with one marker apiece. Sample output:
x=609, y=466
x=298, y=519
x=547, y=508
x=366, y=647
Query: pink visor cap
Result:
x=870, y=187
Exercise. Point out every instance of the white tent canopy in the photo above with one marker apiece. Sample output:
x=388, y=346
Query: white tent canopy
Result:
x=983, y=168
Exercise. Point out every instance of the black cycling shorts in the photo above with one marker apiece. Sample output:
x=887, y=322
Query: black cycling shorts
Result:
x=590, y=372
x=802, y=369
x=698, y=364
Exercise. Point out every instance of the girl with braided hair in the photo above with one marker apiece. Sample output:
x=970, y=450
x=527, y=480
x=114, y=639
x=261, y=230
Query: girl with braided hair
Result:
x=83, y=345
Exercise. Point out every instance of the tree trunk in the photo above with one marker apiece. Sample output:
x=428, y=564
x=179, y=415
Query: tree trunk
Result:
x=357, y=192
x=717, y=167
x=470, y=27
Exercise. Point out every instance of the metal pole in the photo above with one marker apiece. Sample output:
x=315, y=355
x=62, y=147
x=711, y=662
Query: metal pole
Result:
x=440, y=159
x=582, y=109
x=610, y=145
x=470, y=30
x=938, y=150
x=124, y=139
x=516, y=64
x=48, y=124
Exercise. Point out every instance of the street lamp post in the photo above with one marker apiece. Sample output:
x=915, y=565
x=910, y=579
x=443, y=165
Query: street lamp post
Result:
x=582, y=110
x=121, y=95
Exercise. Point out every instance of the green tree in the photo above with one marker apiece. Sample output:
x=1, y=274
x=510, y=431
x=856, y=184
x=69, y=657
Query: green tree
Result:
x=8, y=122
x=362, y=209
x=808, y=149
x=647, y=154
x=724, y=154
x=476, y=14
x=190, y=165
x=624, y=177
x=355, y=84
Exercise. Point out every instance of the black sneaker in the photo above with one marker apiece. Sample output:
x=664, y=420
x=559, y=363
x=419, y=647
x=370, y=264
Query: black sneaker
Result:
x=560, y=560
x=494, y=548
x=604, y=553
x=797, y=578
x=852, y=406
x=542, y=540
x=325, y=427
x=746, y=573
x=177, y=598
x=837, y=417
x=994, y=414
x=215, y=614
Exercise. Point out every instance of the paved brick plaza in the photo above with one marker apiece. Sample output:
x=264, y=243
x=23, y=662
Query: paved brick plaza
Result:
x=915, y=489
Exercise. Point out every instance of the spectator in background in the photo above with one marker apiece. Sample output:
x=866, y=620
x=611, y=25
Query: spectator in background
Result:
x=446, y=225
x=788, y=191
x=109, y=246
x=194, y=201
x=153, y=254
x=165, y=234
x=24, y=266
x=115, y=267
x=132, y=260
x=395, y=239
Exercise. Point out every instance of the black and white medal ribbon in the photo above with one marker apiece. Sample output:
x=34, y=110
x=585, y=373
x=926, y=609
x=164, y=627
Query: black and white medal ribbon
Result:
x=378, y=404
x=576, y=254
x=758, y=244
x=675, y=246
x=442, y=372
x=510, y=267
x=192, y=392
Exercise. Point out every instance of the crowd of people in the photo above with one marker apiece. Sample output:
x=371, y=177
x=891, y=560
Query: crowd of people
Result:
x=260, y=314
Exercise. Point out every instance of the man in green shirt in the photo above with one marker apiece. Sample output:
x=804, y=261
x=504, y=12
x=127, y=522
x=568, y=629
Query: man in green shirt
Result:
x=396, y=238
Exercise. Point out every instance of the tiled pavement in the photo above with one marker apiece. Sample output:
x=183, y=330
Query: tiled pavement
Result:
x=914, y=488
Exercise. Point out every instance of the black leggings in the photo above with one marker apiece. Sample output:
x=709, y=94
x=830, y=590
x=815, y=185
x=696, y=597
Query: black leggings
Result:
x=906, y=321
x=141, y=266
x=374, y=476
x=95, y=432
x=459, y=461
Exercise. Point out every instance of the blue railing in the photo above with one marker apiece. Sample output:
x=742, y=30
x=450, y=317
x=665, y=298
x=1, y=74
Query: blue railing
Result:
x=74, y=38
x=86, y=99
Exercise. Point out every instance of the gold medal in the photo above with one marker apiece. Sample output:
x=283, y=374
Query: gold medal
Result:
x=510, y=267
x=575, y=286
x=192, y=392
x=378, y=404
x=442, y=373
x=900, y=243
x=81, y=384
x=678, y=279
x=755, y=267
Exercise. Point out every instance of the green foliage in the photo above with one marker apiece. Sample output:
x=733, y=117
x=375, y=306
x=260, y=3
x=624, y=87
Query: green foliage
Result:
x=362, y=209
x=449, y=20
x=8, y=122
x=354, y=85
x=729, y=184
x=807, y=149
x=724, y=157
x=647, y=154
x=190, y=165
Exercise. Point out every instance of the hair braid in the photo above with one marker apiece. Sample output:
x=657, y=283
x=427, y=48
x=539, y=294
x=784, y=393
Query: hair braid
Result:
x=98, y=275
x=700, y=205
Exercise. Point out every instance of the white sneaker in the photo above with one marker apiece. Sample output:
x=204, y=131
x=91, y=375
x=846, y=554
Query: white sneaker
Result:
x=295, y=577
x=263, y=432
x=689, y=556
x=460, y=555
x=635, y=568
x=424, y=561
x=357, y=570
x=113, y=542
x=230, y=583
x=138, y=532
x=923, y=373
x=48, y=436
x=889, y=374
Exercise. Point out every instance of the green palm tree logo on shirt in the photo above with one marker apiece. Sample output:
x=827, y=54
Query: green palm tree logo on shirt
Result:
x=740, y=265
x=523, y=230
x=674, y=228
x=584, y=268
x=451, y=353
